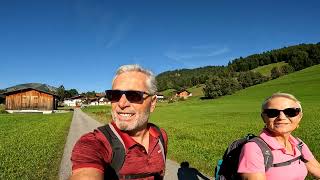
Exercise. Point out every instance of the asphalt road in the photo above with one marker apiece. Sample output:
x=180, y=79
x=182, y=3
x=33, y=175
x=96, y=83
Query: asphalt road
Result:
x=81, y=124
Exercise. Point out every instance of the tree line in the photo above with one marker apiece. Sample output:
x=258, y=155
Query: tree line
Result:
x=63, y=93
x=225, y=80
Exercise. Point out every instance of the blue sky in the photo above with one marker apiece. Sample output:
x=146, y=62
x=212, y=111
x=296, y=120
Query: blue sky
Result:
x=81, y=43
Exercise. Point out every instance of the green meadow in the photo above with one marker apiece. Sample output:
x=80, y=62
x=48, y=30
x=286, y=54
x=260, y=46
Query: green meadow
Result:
x=200, y=130
x=266, y=69
x=32, y=145
x=99, y=113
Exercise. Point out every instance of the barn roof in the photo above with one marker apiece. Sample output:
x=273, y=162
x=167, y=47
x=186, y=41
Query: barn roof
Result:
x=36, y=86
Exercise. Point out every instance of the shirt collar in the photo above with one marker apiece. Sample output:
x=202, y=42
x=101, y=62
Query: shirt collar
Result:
x=129, y=141
x=273, y=143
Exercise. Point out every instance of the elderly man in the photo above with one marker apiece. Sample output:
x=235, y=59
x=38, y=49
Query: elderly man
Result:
x=96, y=156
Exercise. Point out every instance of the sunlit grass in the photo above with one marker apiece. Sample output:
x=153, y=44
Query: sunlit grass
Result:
x=32, y=145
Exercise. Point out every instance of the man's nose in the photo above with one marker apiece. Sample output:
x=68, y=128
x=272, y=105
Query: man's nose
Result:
x=123, y=101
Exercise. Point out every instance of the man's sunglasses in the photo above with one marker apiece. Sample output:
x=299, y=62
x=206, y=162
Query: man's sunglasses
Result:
x=132, y=96
x=289, y=112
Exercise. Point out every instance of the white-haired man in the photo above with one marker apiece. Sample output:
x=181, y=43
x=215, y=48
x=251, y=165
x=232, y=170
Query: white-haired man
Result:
x=132, y=99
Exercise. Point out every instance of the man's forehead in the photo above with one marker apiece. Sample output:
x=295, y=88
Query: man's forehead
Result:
x=129, y=80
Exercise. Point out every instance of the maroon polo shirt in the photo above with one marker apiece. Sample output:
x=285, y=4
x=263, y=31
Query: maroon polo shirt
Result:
x=93, y=150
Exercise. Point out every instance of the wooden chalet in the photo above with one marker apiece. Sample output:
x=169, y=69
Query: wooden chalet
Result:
x=31, y=97
x=183, y=94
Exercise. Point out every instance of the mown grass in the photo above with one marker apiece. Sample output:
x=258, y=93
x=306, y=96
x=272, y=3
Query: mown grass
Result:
x=32, y=145
x=100, y=113
x=200, y=130
x=266, y=70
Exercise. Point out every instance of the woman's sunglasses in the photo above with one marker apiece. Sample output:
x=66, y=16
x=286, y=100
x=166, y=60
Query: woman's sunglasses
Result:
x=289, y=112
x=132, y=96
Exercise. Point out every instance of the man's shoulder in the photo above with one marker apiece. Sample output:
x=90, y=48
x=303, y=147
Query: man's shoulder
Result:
x=93, y=140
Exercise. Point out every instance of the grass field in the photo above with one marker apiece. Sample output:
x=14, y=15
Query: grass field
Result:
x=100, y=113
x=200, y=130
x=266, y=70
x=32, y=145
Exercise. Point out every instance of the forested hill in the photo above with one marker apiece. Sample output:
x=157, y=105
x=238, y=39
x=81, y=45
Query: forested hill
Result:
x=237, y=75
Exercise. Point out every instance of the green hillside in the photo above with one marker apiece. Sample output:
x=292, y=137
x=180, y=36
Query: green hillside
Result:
x=168, y=93
x=197, y=90
x=200, y=130
x=266, y=69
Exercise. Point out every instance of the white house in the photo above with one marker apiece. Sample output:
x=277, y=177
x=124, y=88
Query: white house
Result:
x=99, y=101
x=73, y=101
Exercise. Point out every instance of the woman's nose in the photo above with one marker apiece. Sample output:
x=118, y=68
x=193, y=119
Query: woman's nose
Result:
x=282, y=115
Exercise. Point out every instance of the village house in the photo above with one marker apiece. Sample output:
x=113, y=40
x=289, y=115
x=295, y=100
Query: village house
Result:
x=31, y=97
x=160, y=97
x=99, y=101
x=183, y=94
x=74, y=101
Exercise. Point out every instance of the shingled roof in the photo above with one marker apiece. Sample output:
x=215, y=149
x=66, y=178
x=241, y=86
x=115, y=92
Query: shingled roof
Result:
x=36, y=86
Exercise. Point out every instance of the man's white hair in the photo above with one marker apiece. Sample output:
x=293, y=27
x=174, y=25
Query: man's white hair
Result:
x=279, y=94
x=151, y=79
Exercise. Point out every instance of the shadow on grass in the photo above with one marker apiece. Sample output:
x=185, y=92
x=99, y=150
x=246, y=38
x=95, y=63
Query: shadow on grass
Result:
x=187, y=173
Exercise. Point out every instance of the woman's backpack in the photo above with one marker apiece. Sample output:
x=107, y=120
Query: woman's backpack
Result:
x=227, y=167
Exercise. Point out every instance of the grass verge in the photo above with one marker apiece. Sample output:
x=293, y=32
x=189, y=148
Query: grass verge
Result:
x=32, y=145
x=99, y=113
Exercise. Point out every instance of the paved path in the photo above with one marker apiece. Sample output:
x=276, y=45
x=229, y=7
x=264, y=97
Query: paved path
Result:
x=82, y=123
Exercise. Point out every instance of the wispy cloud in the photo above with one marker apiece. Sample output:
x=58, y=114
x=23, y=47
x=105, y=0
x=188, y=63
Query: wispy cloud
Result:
x=120, y=32
x=196, y=52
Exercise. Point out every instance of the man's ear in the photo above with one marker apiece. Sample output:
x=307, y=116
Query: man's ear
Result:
x=153, y=103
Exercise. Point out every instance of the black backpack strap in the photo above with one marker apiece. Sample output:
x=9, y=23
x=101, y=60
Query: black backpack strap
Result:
x=286, y=163
x=161, y=141
x=299, y=146
x=266, y=152
x=118, y=150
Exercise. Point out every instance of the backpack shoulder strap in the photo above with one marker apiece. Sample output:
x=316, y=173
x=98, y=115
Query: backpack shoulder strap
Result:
x=299, y=146
x=266, y=151
x=286, y=163
x=162, y=143
x=118, y=150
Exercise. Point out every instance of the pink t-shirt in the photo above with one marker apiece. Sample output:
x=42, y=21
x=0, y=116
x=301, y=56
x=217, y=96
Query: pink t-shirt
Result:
x=251, y=159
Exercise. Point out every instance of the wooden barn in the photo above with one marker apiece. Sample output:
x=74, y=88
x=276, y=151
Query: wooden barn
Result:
x=31, y=97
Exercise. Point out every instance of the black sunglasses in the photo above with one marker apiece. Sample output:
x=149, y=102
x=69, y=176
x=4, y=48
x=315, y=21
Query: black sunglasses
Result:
x=132, y=96
x=289, y=112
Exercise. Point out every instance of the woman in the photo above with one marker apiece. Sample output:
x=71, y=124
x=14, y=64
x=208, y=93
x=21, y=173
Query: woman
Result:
x=281, y=114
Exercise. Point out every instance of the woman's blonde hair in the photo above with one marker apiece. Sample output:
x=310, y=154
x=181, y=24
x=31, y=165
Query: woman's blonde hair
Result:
x=279, y=94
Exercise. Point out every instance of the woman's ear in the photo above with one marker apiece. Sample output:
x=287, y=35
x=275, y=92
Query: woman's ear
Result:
x=263, y=118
